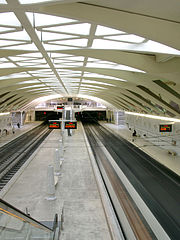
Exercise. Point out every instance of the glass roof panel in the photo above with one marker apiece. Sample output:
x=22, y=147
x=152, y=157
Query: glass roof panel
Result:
x=74, y=42
x=18, y=58
x=108, y=44
x=34, y=1
x=15, y=75
x=76, y=58
x=70, y=64
x=101, y=30
x=48, y=36
x=147, y=47
x=47, y=20
x=32, y=86
x=127, y=38
x=99, y=65
x=95, y=75
x=9, y=19
x=21, y=35
x=30, y=47
x=3, y=2
x=5, y=29
x=7, y=65
x=93, y=86
x=31, y=55
x=50, y=47
x=78, y=29
x=96, y=82
x=28, y=82
x=8, y=43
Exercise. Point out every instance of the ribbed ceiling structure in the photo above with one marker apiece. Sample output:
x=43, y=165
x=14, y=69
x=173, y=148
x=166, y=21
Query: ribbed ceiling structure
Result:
x=126, y=53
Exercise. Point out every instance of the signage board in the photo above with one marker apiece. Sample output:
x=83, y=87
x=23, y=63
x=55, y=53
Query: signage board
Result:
x=53, y=124
x=60, y=107
x=70, y=125
x=165, y=127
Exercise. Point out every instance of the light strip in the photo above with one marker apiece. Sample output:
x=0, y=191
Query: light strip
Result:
x=6, y=113
x=154, y=117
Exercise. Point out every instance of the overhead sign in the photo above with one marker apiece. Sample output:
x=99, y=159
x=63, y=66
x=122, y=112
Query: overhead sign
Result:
x=53, y=124
x=165, y=127
x=60, y=107
x=70, y=125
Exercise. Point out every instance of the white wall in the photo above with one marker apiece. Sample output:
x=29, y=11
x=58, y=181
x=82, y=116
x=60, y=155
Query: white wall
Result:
x=150, y=128
x=5, y=124
x=119, y=117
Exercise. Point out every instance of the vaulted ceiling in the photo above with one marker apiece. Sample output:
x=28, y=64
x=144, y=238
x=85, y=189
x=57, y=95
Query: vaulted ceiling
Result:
x=124, y=52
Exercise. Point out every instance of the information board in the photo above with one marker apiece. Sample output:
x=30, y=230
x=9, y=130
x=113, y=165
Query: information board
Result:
x=54, y=124
x=165, y=127
x=70, y=125
x=60, y=107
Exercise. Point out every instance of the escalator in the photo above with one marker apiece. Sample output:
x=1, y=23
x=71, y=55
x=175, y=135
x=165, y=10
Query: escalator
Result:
x=16, y=225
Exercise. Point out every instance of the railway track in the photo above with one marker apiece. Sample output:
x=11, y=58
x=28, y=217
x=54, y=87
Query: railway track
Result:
x=149, y=178
x=15, y=153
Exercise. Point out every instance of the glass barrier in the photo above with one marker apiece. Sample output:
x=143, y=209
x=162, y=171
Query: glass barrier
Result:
x=16, y=225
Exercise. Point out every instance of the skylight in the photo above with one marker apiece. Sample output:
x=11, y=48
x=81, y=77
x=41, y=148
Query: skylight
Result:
x=46, y=20
x=9, y=19
x=53, y=46
x=96, y=82
x=21, y=35
x=30, y=47
x=106, y=31
x=127, y=38
x=28, y=82
x=48, y=36
x=3, y=2
x=93, y=86
x=34, y=1
x=5, y=29
x=95, y=75
x=7, y=65
x=78, y=29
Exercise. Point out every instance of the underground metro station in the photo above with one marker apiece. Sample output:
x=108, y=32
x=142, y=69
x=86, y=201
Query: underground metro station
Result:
x=89, y=120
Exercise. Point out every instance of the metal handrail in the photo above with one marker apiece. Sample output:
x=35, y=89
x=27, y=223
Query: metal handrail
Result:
x=14, y=212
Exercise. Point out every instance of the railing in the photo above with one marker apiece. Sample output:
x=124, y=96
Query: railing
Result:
x=15, y=224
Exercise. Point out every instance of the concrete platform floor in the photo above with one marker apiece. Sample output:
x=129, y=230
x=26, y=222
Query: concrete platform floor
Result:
x=158, y=153
x=76, y=190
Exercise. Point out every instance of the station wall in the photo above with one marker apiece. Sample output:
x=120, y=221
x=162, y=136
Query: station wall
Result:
x=5, y=124
x=149, y=128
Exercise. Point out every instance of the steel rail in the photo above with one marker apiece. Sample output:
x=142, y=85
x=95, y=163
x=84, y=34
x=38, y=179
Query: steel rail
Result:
x=158, y=186
x=16, y=153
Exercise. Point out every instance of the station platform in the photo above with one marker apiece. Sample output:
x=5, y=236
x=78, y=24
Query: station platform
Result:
x=158, y=153
x=76, y=191
x=18, y=132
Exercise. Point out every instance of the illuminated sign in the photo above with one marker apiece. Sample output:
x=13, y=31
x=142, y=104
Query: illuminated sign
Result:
x=165, y=127
x=70, y=125
x=54, y=125
x=60, y=107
